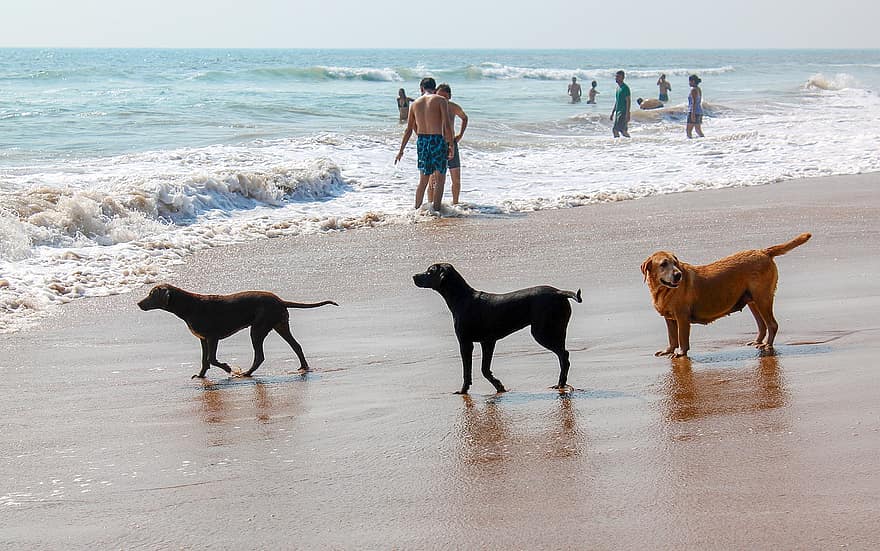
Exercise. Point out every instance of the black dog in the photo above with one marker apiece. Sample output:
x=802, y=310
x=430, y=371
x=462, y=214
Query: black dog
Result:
x=215, y=317
x=486, y=317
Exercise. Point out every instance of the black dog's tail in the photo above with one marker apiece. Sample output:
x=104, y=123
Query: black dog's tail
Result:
x=572, y=295
x=308, y=304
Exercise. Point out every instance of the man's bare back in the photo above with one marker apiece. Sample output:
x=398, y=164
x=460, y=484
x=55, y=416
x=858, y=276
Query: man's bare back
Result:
x=430, y=112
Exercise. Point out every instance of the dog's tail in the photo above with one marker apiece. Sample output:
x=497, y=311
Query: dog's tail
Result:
x=308, y=304
x=777, y=250
x=572, y=295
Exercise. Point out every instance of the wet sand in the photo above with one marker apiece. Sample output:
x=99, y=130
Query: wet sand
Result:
x=107, y=443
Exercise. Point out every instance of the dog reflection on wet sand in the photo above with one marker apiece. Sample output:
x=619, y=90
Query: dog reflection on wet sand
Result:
x=487, y=436
x=694, y=394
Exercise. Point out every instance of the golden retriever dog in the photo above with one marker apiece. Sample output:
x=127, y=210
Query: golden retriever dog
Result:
x=684, y=294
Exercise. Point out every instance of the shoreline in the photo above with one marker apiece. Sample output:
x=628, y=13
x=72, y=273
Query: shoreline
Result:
x=365, y=222
x=728, y=449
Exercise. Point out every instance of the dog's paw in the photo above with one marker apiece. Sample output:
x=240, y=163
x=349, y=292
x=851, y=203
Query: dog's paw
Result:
x=679, y=355
x=664, y=352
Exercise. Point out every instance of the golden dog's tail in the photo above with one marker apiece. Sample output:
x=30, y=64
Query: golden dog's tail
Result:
x=777, y=250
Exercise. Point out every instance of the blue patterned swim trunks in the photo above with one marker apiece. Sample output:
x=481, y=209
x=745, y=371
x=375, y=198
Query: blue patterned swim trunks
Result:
x=432, y=153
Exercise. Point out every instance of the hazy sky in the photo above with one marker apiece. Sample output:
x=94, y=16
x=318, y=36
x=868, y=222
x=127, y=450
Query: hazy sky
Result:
x=449, y=24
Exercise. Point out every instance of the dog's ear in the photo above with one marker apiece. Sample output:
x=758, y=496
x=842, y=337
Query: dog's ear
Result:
x=164, y=295
x=646, y=267
x=442, y=272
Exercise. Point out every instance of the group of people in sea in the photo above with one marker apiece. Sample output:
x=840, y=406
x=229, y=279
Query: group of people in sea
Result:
x=432, y=117
x=620, y=114
x=574, y=90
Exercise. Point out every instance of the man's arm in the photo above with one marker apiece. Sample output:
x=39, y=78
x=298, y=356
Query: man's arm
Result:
x=410, y=127
x=628, y=99
x=459, y=112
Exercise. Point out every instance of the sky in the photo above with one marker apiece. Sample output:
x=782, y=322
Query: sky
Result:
x=466, y=24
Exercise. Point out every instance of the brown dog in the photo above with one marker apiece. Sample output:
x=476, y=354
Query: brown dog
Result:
x=214, y=317
x=686, y=294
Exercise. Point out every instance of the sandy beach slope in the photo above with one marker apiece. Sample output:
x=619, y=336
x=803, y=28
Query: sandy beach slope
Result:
x=107, y=443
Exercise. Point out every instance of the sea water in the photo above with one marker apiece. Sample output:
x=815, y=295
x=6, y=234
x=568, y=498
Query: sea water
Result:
x=115, y=165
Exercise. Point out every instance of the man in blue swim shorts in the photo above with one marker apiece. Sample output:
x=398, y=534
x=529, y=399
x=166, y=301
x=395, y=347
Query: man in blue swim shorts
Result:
x=429, y=119
x=432, y=151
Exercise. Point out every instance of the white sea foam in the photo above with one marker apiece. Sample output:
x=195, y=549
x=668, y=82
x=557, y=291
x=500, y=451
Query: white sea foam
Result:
x=504, y=72
x=840, y=81
x=363, y=73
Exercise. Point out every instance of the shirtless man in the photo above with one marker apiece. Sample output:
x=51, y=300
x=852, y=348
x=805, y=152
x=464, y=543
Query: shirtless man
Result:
x=455, y=110
x=574, y=90
x=429, y=118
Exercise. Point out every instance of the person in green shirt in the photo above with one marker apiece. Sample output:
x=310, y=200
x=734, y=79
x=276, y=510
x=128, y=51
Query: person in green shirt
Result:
x=620, y=113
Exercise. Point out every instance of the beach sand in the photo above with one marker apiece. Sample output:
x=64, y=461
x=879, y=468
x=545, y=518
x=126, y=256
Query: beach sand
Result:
x=108, y=443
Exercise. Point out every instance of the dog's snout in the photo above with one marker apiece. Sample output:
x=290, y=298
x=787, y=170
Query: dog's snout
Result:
x=676, y=276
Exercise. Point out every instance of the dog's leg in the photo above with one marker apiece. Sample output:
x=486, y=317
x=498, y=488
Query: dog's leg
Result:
x=765, y=310
x=467, y=360
x=672, y=337
x=283, y=329
x=684, y=338
x=205, y=361
x=564, y=364
x=488, y=348
x=258, y=335
x=553, y=339
x=762, y=327
x=212, y=356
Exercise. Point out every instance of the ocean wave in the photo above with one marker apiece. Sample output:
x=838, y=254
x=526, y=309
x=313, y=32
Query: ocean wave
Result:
x=318, y=73
x=490, y=70
x=124, y=211
x=840, y=81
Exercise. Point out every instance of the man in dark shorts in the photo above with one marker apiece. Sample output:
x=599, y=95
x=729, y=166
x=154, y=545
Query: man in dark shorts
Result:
x=620, y=113
x=455, y=110
x=429, y=119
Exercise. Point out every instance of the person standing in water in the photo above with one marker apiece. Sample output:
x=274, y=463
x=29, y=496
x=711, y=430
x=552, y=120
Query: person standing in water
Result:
x=455, y=110
x=429, y=119
x=574, y=90
x=622, y=102
x=695, y=107
x=665, y=88
x=593, y=92
x=403, y=104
